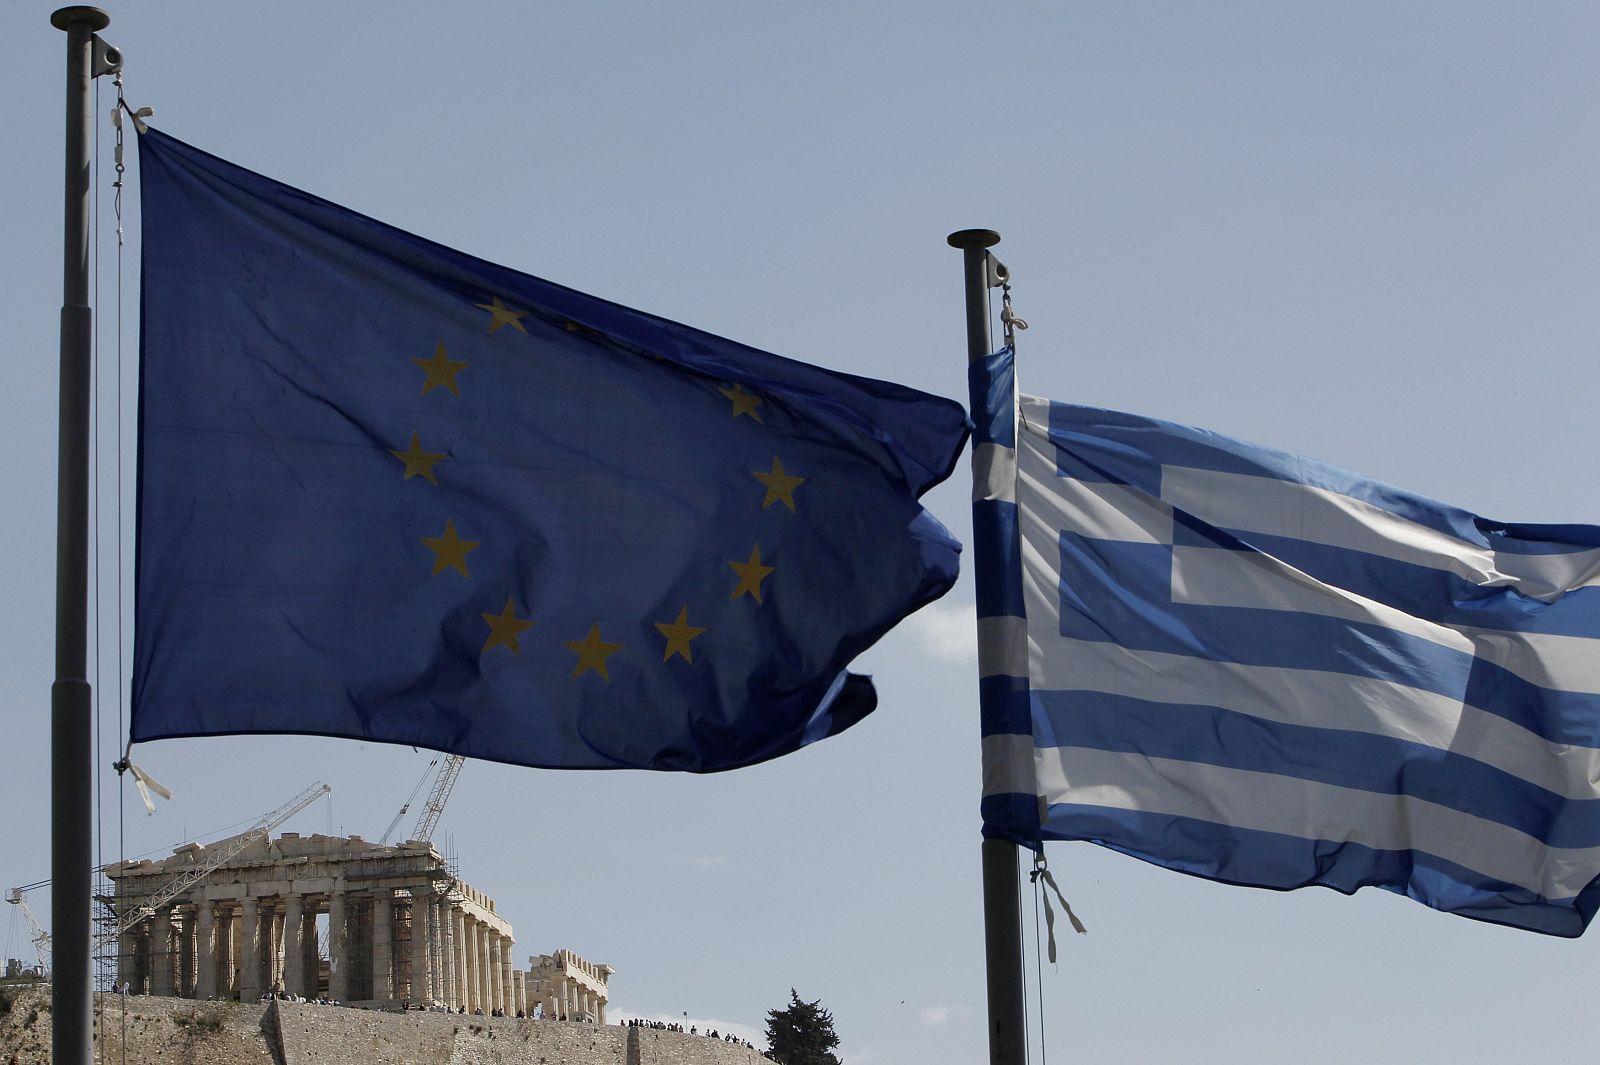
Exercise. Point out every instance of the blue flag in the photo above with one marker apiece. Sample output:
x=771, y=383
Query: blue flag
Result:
x=1260, y=669
x=393, y=492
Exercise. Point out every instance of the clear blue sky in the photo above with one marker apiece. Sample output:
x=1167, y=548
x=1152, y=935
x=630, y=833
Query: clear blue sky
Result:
x=1367, y=232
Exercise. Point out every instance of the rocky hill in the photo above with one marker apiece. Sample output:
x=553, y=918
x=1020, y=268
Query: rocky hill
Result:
x=174, y=1031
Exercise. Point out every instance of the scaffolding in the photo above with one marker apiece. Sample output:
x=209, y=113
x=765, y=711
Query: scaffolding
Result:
x=156, y=955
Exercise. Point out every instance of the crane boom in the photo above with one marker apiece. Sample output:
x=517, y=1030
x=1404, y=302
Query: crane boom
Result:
x=17, y=896
x=406, y=806
x=438, y=797
x=147, y=907
x=214, y=860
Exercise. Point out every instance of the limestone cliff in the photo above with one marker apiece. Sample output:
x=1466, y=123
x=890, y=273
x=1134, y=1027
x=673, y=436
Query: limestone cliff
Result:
x=172, y=1031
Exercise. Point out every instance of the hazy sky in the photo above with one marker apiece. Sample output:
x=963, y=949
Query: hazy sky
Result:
x=1368, y=232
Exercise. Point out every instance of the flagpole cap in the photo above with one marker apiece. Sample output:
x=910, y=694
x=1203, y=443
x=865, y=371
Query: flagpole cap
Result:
x=67, y=17
x=973, y=238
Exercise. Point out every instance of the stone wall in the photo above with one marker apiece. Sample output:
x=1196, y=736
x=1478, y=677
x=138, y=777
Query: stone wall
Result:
x=675, y=1048
x=159, y=1031
x=171, y=1031
x=334, y=1035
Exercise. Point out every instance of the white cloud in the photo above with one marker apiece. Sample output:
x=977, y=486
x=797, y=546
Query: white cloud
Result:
x=940, y=1014
x=945, y=631
x=699, y=861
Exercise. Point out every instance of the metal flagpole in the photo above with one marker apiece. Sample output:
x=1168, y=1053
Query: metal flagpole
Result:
x=1002, y=901
x=71, y=763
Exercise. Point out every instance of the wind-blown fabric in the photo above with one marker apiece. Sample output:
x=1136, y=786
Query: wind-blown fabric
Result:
x=1261, y=669
x=393, y=492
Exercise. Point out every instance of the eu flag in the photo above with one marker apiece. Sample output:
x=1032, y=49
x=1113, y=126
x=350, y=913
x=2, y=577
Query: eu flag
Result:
x=393, y=492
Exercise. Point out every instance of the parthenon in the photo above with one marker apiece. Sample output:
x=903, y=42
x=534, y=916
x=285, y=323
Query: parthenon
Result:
x=568, y=987
x=337, y=918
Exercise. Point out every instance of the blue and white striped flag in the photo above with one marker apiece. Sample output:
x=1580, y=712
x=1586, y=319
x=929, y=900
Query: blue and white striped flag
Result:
x=1260, y=669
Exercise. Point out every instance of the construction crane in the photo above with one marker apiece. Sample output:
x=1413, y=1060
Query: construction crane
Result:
x=406, y=806
x=215, y=858
x=438, y=797
x=17, y=896
x=442, y=785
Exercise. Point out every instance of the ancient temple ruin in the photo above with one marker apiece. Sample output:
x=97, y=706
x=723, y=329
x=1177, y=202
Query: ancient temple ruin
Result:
x=569, y=988
x=337, y=918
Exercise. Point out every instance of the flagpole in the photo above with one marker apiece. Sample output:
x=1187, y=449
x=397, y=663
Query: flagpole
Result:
x=71, y=764
x=1002, y=901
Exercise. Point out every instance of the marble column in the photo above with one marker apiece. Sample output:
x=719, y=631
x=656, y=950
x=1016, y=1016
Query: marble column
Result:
x=444, y=952
x=485, y=989
x=294, y=956
x=183, y=913
x=227, y=952
x=458, y=925
x=161, y=952
x=486, y=968
x=338, y=940
x=382, y=945
x=496, y=992
x=309, y=961
x=267, y=923
x=508, y=998
x=280, y=960
x=145, y=978
x=128, y=958
x=419, y=946
x=435, y=969
x=469, y=936
x=436, y=949
x=249, y=950
x=191, y=960
x=422, y=932
x=520, y=991
x=205, y=967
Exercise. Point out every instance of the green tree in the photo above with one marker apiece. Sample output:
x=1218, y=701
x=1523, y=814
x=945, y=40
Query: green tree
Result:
x=802, y=1034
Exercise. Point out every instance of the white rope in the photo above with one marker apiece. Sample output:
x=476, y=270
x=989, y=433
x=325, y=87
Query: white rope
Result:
x=1043, y=879
x=146, y=784
x=1008, y=316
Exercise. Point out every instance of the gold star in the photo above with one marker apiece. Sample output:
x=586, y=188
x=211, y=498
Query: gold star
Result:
x=585, y=330
x=441, y=370
x=678, y=635
x=751, y=574
x=450, y=550
x=592, y=653
x=780, y=485
x=419, y=463
x=503, y=315
x=505, y=627
x=743, y=402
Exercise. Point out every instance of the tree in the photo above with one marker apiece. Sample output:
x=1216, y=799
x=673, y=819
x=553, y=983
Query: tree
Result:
x=802, y=1034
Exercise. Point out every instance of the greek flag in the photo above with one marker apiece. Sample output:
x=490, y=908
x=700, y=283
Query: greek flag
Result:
x=1256, y=668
